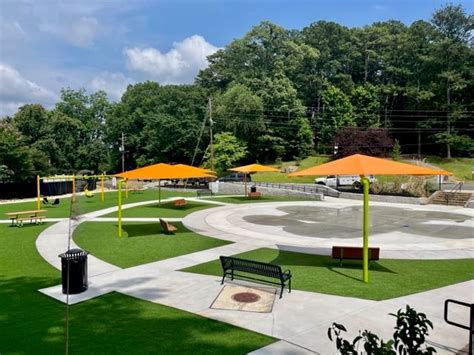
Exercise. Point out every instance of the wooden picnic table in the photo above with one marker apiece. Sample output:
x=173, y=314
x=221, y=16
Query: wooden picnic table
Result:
x=20, y=216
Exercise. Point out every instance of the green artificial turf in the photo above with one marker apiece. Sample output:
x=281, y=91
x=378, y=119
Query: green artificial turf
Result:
x=33, y=323
x=389, y=278
x=164, y=210
x=140, y=243
x=85, y=205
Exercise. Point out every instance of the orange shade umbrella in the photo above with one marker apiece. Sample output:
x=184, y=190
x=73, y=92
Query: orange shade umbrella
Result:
x=158, y=172
x=364, y=165
x=197, y=169
x=165, y=171
x=254, y=168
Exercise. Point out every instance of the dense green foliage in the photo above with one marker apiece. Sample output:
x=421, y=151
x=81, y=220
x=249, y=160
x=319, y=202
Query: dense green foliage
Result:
x=33, y=323
x=389, y=278
x=283, y=93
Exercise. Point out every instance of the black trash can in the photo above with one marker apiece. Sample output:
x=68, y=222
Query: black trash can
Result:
x=74, y=265
x=253, y=188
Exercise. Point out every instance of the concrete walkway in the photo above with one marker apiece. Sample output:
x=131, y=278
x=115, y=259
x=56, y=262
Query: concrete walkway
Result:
x=279, y=224
x=300, y=319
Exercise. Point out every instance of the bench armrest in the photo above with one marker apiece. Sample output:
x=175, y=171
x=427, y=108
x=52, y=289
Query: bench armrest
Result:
x=287, y=271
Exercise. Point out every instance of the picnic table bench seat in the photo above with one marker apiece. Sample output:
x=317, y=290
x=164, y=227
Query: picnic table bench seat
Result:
x=353, y=253
x=231, y=264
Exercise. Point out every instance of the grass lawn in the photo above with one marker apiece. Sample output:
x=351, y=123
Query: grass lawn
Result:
x=90, y=204
x=33, y=323
x=280, y=177
x=460, y=167
x=141, y=243
x=264, y=198
x=389, y=278
x=165, y=210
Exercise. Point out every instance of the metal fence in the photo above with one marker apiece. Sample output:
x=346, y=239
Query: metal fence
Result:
x=316, y=189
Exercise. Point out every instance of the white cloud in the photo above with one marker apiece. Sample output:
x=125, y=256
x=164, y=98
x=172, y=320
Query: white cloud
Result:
x=179, y=65
x=114, y=84
x=15, y=90
x=80, y=32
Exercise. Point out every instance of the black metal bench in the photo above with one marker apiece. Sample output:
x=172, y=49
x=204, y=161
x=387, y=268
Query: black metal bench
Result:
x=230, y=264
x=204, y=192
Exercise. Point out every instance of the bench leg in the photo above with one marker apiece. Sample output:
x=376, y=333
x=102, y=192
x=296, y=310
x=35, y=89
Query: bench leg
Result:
x=232, y=275
x=289, y=286
x=281, y=291
x=223, y=278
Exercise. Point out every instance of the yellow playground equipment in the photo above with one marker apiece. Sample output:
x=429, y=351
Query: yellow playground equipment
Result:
x=88, y=193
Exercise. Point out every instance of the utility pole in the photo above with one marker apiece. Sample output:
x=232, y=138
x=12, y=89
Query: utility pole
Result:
x=210, y=131
x=122, y=150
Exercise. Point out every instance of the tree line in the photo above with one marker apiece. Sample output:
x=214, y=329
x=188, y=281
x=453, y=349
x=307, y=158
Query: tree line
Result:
x=272, y=94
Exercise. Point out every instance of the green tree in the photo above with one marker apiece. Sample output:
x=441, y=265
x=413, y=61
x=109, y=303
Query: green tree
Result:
x=227, y=149
x=365, y=101
x=454, y=57
x=15, y=155
x=337, y=113
x=31, y=120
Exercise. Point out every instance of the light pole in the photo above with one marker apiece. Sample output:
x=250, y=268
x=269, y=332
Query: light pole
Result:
x=122, y=150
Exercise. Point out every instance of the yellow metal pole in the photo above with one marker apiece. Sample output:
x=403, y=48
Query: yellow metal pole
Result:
x=120, y=208
x=126, y=189
x=38, y=193
x=73, y=198
x=365, y=273
x=102, y=196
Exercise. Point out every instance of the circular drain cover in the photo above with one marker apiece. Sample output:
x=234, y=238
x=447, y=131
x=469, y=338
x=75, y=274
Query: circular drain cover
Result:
x=245, y=297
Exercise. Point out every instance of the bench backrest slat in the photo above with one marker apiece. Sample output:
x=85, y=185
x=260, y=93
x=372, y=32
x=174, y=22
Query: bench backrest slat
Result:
x=255, y=267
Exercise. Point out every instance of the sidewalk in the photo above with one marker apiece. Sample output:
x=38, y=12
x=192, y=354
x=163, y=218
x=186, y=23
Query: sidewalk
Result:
x=300, y=319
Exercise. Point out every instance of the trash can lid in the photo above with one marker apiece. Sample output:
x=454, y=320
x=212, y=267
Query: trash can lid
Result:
x=73, y=253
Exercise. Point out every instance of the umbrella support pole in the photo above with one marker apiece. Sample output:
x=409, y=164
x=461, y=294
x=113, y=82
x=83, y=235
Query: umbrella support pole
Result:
x=120, y=208
x=365, y=233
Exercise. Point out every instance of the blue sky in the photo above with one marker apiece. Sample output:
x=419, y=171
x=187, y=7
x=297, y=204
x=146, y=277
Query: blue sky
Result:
x=106, y=44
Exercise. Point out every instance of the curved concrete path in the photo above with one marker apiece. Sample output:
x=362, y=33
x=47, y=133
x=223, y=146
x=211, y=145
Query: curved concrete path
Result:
x=300, y=319
x=231, y=223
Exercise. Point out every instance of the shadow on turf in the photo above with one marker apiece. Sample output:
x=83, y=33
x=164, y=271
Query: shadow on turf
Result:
x=288, y=258
x=114, y=323
x=148, y=229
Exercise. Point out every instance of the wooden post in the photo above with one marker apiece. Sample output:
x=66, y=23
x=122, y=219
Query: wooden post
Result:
x=365, y=230
x=38, y=192
x=126, y=189
x=159, y=192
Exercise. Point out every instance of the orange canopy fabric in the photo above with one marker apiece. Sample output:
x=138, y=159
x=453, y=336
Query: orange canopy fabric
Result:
x=165, y=171
x=359, y=164
x=254, y=168
x=197, y=169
